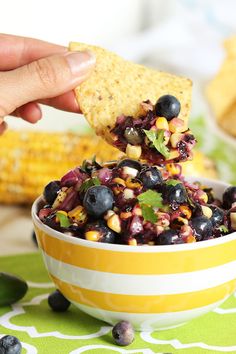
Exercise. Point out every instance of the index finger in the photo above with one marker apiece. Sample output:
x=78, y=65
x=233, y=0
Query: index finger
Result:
x=16, y=51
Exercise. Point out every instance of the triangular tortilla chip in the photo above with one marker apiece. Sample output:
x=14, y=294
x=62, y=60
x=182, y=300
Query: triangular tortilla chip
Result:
x=117, y=86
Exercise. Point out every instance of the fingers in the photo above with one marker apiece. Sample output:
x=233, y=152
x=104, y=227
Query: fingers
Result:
x=42, y=79
x=65, y=102
x=31, y=112
x=17, y=51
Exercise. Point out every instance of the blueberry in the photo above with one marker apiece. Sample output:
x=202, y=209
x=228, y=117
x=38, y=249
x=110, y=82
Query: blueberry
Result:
x=98, y=199
x=176, y=194
x=107, y=235
x=130, y=163
x=123, y=333
x=133, y=136
x=229, y=197
x=10, y=345
x=217, y=215
x=203, y=227
x=166, y=237
x=50, y=191
x=150, y=177
x=58, y=302
x=167, y=106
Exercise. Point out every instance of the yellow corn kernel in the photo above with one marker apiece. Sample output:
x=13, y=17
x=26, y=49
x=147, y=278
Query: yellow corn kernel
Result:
x=190, y=239
x=174, y=168
x=61, y=212
x=132, y=183
x=176, y=125
x=108, y=214
x=134, y=152
x=78, y=214
x=92, y=236
x=60, y=197
x=162, y=123
x=132, y=242
x=114, y=223
x=151, y=243
x=186, y=211
x=137, y=211
x=119, y=181
x=173, y=154
x=125, y=215
x=206, y=211
x=175, y=139
x=203, y=197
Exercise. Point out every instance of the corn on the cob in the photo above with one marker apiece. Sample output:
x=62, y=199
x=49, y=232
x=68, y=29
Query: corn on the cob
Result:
x=29, y=160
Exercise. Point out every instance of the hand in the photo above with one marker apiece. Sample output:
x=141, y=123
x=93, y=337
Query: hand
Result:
x=33, y=71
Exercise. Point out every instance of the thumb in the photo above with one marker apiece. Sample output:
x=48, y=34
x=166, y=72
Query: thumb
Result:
x=45, y=78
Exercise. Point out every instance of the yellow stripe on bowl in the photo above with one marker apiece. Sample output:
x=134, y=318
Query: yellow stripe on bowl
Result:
x=156, y=262
x=145, y=303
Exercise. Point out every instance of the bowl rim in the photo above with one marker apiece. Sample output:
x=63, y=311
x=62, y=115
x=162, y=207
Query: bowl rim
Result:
x=138, y=249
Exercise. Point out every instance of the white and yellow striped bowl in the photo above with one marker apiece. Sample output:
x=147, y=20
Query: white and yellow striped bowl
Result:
x=153, y=287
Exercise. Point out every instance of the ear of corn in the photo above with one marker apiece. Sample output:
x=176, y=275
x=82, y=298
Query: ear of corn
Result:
x=29, y=160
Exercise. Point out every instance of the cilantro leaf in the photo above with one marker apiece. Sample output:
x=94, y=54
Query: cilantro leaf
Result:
x=151, y=198
x=173, y=182
x=223, y=229
x=94, y=181
x=157, y=139
x=63, y=219
x=148, y=213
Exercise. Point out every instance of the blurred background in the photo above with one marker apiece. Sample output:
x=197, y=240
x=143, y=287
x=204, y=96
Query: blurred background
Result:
x=184, y=37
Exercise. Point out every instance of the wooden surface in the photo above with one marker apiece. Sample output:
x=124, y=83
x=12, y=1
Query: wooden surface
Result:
x=15, y=230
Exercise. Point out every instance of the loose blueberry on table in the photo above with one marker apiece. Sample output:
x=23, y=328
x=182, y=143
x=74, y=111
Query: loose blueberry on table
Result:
x=132, y=203
x=156, y=134
x=58, y=302
x=123, y=333
x=10, y=345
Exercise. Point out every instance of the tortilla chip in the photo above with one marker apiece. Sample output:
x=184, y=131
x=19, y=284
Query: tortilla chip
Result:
x=221, y=92
x=117, y=87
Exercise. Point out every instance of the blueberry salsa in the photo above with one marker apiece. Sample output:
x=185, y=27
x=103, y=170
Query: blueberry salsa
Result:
x=133, y=203
x=156, y=134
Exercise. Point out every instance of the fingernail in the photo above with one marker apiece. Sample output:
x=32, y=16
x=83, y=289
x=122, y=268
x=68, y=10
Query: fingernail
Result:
x=80, y=62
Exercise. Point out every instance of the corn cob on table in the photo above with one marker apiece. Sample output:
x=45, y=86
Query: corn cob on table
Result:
x=29, y=160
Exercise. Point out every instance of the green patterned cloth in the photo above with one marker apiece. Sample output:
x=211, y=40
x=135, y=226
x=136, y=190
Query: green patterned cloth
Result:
x=45, y=332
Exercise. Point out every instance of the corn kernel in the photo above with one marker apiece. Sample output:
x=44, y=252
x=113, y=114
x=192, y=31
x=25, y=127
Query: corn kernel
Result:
x=162, y=123
x=108, y=214
x=175, y=139
x=206, y=211
x=204, y=197
x=185, y=211
x=114, y=223
x=173, y=154
x=174, y=169
x=176, y=125
x=190, y=239
x=78, y=214
x=92, y=236
x=128, y=193
x=132, y=242
x=125, y=215
x=132, y=183
x=119, y=181
x=151, y=243
x=61, y=212
x=134, y=152
x=137, y=211
x=60, y=197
